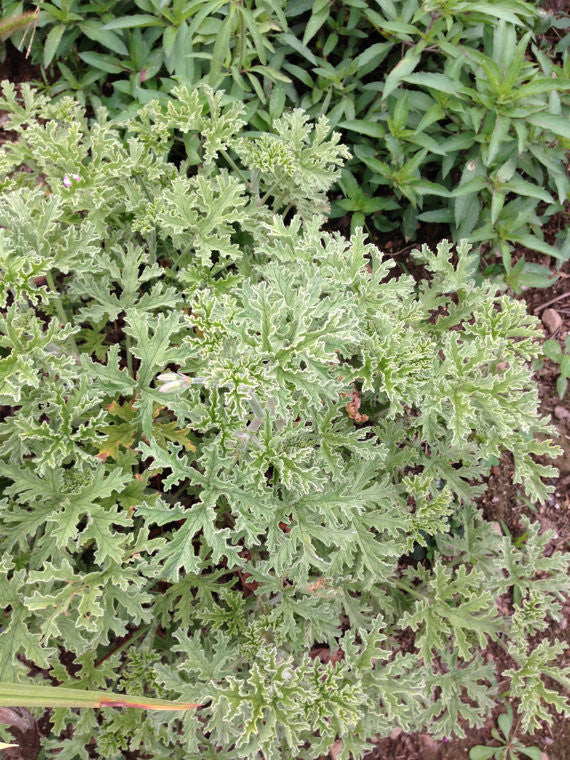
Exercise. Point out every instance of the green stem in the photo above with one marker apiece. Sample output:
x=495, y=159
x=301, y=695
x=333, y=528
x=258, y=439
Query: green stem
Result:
x=129, y=356
x=181, y=256
x=404, y=587
x=269, y=192
x=241, y=41
x=235, y=167
x=128, y=641
x=180, y=490
x=145, y=188
x=61, y=311
x=152, y=247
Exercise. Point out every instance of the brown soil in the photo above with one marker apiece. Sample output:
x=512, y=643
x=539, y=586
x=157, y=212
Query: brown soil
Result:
x=17, y=67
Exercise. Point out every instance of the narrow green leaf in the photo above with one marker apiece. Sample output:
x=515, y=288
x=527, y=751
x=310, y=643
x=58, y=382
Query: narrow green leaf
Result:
x=300, y=73
x=439, y=216
x=364, y=127
x=542, y=84
x=497, y=11
x=374, y=54
x=297, y=45
x=552, y=123
x=535, y=276
x=481, y=753
x=498, y=137
x=536, y=244
x=319, y=14
x=221, y=49
x=424, y=187
x=439, y=82
x=101, y=61
x=52, y=42
x=522, y=187
x=402, y=69
x=273, y=74
x=471, y=186
x=497, y=203
x=31, y=695
x=94, y=30
x=130, y=22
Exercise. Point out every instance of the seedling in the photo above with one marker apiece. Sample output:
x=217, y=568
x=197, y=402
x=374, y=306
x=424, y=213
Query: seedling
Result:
x=553, y=351
x=510, y=749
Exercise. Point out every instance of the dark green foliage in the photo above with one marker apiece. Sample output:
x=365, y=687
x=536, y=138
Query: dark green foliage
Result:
x=553, y=350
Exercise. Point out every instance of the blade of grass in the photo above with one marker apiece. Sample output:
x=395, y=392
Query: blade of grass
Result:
x=31, y=695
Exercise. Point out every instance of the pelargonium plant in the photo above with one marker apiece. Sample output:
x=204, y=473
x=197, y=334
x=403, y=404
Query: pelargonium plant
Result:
x=226, y=432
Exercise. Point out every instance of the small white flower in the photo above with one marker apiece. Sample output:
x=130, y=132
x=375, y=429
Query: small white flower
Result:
x=66, y=181
x=173, y=381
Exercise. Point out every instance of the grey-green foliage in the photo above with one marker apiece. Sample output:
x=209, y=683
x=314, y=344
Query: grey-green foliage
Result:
x=225, y=430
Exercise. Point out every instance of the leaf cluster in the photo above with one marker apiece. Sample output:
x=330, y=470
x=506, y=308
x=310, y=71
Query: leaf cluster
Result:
x=553, y=350
x=510, y=748
x=226, y=432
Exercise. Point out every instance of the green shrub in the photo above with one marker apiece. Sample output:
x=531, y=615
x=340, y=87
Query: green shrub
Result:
x=455, y=114
x=224, y=436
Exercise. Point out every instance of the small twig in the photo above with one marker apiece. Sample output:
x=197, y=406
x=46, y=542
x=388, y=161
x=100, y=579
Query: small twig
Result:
x=429, y=49
x=31, y=29
x=552, y=300
x=18, y=717
x=402, y=250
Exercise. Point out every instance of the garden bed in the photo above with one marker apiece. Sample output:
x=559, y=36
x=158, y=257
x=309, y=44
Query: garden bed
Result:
x=502, y=503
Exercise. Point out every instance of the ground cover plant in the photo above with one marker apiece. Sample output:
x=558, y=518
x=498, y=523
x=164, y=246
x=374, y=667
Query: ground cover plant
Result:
x=225, y=434
x=456, y=112
x=509, y=747
x=554, y=351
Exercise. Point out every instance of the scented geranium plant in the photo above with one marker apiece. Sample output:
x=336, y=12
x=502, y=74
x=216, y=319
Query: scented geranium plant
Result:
x=224, y=434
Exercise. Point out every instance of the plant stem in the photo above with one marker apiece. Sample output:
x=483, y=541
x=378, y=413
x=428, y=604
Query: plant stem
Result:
x=152, y=247
x=404, y=587
x=241, y=40
x=181, y=256
x=269, y=192
x=145, y=188
x=129, y=356
x=235, y=167
x=129, y=640
x=60, y=310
